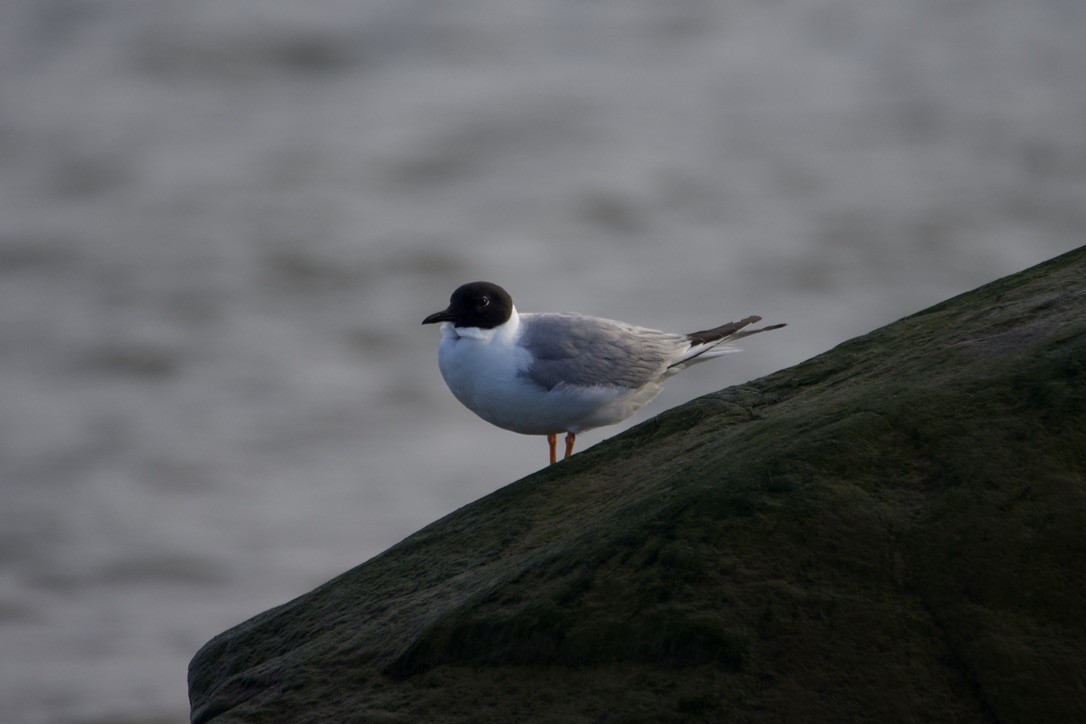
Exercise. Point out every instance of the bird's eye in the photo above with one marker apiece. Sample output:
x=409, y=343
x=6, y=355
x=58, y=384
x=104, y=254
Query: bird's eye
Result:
x=484, y=301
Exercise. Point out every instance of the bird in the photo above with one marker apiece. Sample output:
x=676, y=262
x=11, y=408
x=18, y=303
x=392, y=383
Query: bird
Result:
x=554, y=373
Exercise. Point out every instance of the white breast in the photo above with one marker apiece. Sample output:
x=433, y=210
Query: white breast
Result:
x=482, y=368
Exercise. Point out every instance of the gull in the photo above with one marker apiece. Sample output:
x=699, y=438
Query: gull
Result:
x=549, y=373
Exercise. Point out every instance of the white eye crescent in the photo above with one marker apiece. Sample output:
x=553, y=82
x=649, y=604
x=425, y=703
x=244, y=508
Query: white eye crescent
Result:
x=484, y=301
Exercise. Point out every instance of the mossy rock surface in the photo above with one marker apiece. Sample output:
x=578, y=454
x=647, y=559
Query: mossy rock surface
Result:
x=892, y=531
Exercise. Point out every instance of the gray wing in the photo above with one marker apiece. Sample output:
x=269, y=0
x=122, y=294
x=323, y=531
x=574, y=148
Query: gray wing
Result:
x=589, y=351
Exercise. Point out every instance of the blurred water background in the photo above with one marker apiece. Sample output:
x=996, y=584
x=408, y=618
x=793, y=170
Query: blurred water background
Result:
x=222, y=221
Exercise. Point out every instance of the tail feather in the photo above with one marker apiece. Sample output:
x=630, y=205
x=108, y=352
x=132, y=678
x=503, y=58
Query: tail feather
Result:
x=704, y=344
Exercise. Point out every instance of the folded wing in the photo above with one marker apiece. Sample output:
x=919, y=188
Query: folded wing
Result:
x=588, y=351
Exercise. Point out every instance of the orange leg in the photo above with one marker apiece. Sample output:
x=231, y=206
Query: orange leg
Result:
x=570, y=439
x=552, y=442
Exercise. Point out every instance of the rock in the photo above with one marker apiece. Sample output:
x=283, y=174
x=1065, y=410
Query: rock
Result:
x=892, y=531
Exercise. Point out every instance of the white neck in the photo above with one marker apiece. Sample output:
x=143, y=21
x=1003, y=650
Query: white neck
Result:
x=505, y=332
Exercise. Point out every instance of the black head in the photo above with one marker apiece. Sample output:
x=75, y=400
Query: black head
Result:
x=478, y=304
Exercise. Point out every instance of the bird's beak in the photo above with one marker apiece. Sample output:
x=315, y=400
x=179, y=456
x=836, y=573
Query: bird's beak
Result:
x=443, y=316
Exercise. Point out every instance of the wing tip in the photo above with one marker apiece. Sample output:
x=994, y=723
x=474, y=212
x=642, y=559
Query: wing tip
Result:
x=708, y=336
